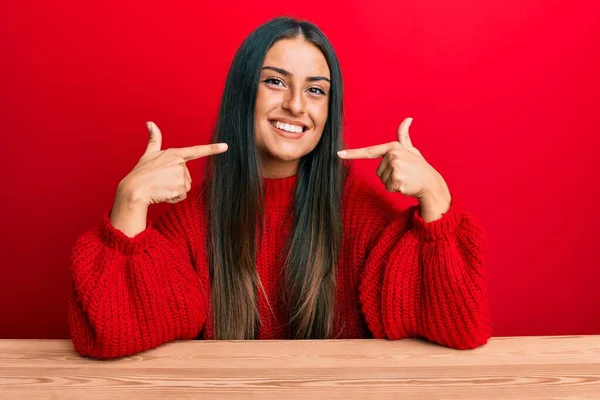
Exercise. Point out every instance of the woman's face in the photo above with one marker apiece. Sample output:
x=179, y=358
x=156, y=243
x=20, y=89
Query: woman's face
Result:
x=291, y=105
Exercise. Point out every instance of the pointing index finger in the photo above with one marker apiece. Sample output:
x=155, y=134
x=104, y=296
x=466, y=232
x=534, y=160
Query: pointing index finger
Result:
x=195, y=152
x=367, y=152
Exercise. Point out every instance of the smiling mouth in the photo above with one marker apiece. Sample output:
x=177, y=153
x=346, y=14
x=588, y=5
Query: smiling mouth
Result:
x=289, y=128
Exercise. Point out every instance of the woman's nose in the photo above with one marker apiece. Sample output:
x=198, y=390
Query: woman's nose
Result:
x=294, y=102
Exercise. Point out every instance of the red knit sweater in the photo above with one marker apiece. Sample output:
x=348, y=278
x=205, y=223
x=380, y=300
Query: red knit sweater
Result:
x=397, y=276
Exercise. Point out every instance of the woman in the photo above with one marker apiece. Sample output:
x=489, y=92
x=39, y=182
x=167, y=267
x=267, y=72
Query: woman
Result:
x=283, y=239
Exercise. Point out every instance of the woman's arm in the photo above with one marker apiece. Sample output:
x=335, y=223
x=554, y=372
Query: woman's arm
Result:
x=425, y=274
x=133, y=294
x=428, y=280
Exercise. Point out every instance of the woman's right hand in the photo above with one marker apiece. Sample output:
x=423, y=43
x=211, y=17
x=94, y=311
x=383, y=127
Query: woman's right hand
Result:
x=160, y=176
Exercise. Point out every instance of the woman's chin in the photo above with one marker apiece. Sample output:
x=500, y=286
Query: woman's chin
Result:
x=286, y=157
x=284, y=154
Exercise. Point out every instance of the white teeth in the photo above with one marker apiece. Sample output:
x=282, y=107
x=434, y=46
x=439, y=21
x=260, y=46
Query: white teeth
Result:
x=288, y=127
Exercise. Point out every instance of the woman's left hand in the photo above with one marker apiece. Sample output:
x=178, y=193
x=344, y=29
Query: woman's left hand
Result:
x=404, y=169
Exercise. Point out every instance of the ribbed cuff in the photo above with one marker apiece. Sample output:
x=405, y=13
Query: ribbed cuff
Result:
x=118, y=240
x=439, y=229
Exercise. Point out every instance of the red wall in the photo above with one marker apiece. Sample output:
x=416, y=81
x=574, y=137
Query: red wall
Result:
x=504, y=98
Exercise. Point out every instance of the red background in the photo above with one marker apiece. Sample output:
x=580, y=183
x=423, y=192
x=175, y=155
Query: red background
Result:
x=504, y=97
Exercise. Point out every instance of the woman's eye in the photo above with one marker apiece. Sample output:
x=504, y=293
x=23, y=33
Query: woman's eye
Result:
x=274, y=81
x=316, y=90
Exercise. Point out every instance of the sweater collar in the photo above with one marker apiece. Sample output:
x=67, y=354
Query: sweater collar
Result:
x=280, y=192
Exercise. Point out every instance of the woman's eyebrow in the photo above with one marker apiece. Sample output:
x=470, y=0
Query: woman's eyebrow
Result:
x=287, y=73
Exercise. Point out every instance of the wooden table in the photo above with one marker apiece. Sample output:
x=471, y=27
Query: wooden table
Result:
x=565, y=367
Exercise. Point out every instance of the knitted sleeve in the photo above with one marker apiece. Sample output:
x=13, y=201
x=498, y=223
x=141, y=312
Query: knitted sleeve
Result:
x=421, y=279
x=133, y=294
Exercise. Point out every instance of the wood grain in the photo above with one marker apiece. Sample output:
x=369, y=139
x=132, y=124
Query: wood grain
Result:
x=563, y=367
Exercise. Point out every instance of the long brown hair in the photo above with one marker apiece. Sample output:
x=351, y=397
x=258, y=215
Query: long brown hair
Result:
x=235, y=202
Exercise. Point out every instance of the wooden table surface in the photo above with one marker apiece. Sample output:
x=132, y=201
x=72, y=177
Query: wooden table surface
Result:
x=563, y=367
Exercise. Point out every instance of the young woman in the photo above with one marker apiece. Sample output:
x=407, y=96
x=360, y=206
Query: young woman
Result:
x=283, y=239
